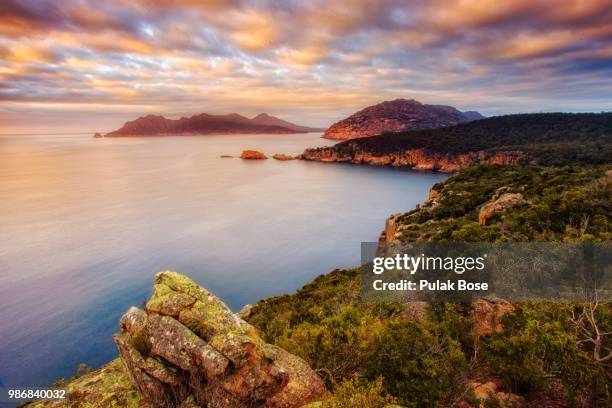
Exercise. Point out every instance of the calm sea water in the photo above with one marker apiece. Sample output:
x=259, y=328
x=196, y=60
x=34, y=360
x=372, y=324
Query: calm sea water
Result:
x=86, y=223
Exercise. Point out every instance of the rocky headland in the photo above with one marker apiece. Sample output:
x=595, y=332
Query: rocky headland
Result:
x=548, y=139
x=397, y=116
x=204, y=124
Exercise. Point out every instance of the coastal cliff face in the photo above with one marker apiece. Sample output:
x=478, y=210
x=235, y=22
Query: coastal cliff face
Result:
x=397, y=116
x=420, y=159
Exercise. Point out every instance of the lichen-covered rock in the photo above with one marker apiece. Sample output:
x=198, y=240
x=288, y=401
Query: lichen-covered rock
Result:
x=188, y=349
x=253, y=155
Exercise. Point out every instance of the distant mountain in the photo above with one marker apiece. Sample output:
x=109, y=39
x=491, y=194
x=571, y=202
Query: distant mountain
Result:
x=202, y=124
x=397, y=116
x=265, y=119
x=473, y=115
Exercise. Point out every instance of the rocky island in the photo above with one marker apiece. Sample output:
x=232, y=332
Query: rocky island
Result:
x=253, y=155
x=397, y=116
x=205, y=124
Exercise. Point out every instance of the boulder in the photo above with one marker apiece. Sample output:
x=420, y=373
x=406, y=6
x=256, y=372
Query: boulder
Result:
x=186, y=348
x=488, y=315
x=499, y=203
x=283, y=157
x=98, y=135
x=490, y=394
x=253, y=155
x=246, y=311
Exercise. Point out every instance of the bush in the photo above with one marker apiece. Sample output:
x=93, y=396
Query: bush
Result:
x=358, y=393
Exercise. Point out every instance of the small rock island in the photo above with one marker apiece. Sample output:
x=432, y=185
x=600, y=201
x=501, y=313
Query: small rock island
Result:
x=253, y=155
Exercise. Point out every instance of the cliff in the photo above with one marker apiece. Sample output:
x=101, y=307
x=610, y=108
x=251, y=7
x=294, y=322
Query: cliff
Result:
x=548, y=139
x=420, y=159
x=397, y=116
x=202, y=124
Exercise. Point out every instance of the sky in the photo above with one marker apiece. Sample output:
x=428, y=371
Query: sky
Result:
x=90, y=65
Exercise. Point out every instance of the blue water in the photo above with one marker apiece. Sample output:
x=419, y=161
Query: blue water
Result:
x=86, y=223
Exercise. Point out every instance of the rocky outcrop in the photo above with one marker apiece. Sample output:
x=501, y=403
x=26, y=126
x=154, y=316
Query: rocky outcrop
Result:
x=253, y=155
x=500, y=202
x=387, y=236
x=397, y=116
x=284, y=157
x=420, y=159
x=488, y=315
x=203, y=124
x=226, y=156
x=490, y=394
x=188, y=349
x=98, y=135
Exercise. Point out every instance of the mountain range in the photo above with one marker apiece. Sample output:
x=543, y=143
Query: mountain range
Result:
x=397, y=116
x=204, y=123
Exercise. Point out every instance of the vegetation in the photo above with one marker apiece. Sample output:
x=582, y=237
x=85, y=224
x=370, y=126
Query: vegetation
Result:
x=430, y=355
x=550, y=138
x=569, y=203
x=358, y=393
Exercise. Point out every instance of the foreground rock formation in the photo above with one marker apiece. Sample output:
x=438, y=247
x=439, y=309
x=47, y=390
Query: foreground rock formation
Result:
x=188, y=349
x=397, y=116
x=253, y=155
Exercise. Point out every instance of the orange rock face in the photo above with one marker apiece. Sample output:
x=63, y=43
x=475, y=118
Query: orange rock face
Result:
x=499, y=203
x=419, y=159
x=253, y=155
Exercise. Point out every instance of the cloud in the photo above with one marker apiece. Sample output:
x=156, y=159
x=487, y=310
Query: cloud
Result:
x=325, y=58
